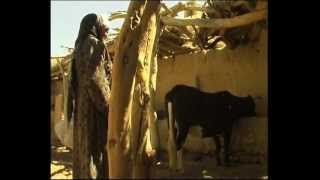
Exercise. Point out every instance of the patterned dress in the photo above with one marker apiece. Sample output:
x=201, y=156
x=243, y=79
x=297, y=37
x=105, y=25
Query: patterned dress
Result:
x=93, y=74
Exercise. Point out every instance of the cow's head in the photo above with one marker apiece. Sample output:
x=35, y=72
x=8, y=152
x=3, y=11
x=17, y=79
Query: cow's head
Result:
x=245, y=107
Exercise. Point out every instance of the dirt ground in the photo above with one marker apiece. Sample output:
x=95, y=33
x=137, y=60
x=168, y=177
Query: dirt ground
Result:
x=206, y=167
x=61, y=162
x=61, y=167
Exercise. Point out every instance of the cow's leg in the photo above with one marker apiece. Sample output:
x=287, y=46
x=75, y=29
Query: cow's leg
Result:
x=227, y=137
x=181, y=135
x=218, y=149
x=172, y=151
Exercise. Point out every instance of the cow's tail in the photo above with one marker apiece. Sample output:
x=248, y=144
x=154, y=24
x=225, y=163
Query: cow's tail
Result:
x=168, y=100
x=169, y=113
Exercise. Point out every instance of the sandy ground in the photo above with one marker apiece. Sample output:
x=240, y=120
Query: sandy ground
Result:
x=61, y=167
x=61, y=162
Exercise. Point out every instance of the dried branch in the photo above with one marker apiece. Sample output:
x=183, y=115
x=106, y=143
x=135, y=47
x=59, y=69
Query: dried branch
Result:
x=218, y=23
x=174, y=10
x=170, y=46
x=166, y=9
x=118, y=15
x=199, y=42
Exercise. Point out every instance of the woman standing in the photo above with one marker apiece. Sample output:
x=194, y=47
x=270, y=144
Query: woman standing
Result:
x=89, y=98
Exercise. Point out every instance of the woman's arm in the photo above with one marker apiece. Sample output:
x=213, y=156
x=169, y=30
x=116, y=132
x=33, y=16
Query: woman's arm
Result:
x=98, y=84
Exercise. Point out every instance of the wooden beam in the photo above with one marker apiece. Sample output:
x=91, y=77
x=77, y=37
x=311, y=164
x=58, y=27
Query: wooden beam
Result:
x=167, y=33
x=242, y=3
x=174, y=10
x=118, y=15
x=204, y=9
x=185, y=31
x=218, y=23
x=207, y=23
x=197, y=39
x=164, y=52
x=172, y=46
x=172, y=37
x=166, y=9
x=164, y=49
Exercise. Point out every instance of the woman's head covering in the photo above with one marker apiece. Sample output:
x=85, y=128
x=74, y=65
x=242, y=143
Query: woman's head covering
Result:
x=91, y=24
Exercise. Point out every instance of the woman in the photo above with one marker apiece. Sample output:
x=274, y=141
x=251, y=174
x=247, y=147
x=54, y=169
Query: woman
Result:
x=89, y=98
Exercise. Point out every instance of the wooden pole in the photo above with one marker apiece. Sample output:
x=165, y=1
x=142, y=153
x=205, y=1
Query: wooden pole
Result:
x=142, y=109
x=130, y=94
x=118, y=143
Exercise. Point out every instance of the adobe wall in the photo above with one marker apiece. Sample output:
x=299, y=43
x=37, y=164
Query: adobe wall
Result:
x=242, y=71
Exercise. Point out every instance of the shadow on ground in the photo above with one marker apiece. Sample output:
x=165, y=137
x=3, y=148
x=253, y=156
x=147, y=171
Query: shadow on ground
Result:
x=194, y=167
x=206, y=167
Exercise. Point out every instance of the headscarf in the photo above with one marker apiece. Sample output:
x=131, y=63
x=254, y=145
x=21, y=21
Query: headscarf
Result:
x=91, y=24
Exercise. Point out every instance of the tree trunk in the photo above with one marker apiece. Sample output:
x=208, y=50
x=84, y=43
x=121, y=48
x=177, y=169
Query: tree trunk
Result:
x=128, y=115
x=154, y=135
x=146, y=142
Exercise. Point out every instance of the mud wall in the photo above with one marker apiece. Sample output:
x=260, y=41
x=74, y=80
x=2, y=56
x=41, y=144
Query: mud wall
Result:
x=56, y=107
x=242, y=71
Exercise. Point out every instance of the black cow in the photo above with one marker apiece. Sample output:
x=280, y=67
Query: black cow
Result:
x=214, y=112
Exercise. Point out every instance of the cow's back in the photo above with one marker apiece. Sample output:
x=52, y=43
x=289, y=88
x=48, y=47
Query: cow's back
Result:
x=185, y=101
x=196, y=107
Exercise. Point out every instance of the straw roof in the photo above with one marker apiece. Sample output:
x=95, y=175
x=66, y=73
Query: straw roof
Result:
x=213, y=25
x=209, y=26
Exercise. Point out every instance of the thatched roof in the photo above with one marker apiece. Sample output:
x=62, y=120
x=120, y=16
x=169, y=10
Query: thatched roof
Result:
x=212, y=25
x=204, y=27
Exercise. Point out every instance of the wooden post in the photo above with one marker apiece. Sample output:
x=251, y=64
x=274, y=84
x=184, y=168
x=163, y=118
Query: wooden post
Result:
x=141, y=107
x=130, y=94
x=118, y=144
x=154, y=135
